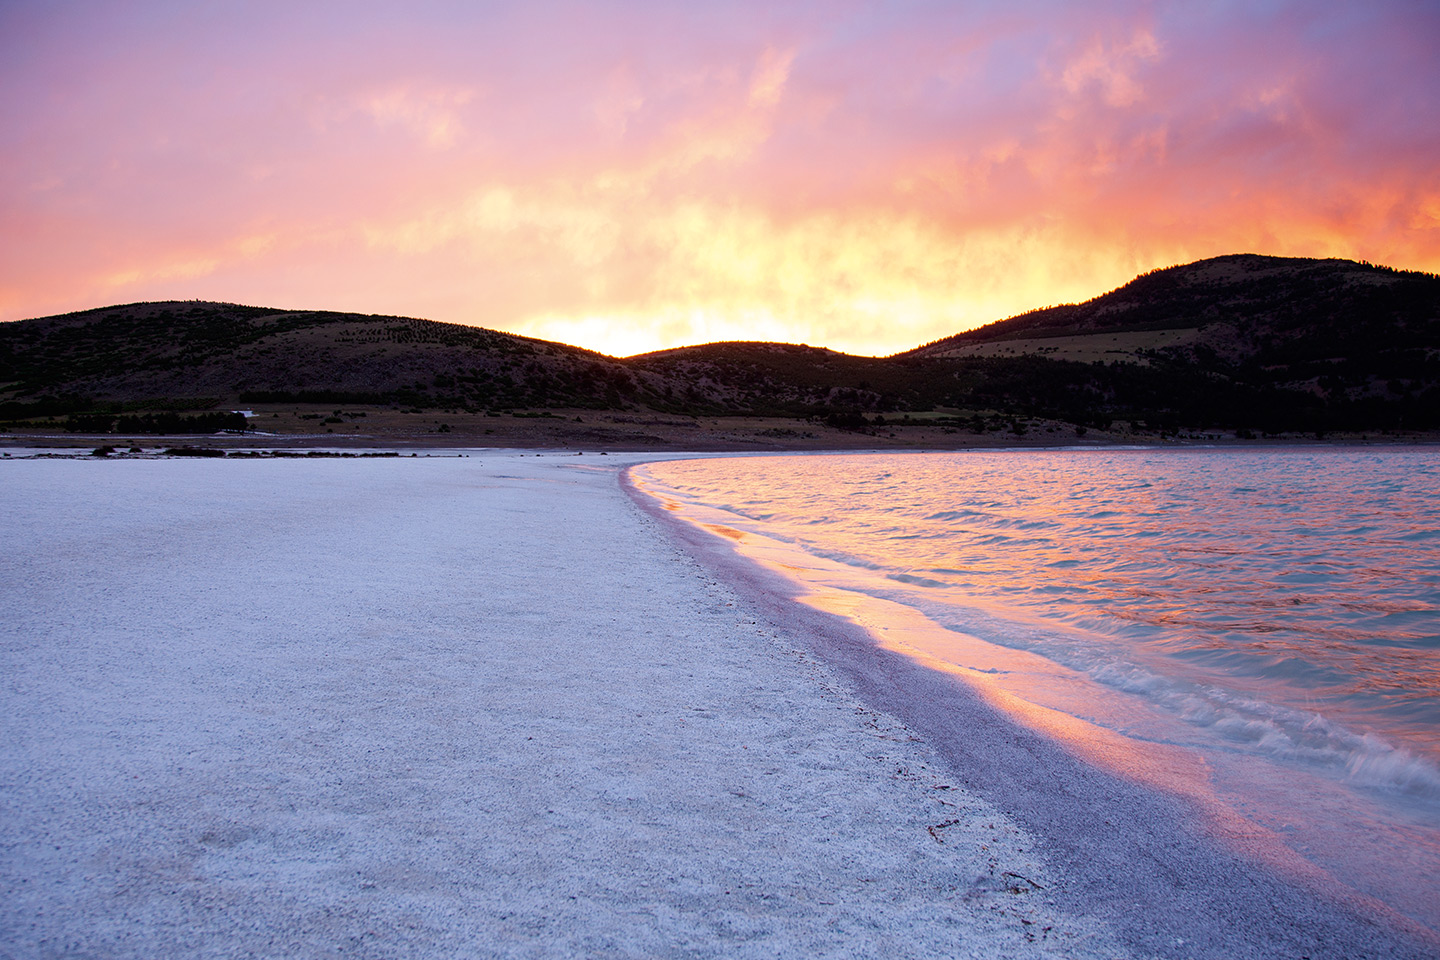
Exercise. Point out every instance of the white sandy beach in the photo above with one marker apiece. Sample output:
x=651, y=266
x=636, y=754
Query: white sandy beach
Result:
x=474, y=706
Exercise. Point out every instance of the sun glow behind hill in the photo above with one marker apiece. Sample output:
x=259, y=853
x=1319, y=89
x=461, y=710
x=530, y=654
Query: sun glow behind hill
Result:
x=867, y=291
x=636, y=176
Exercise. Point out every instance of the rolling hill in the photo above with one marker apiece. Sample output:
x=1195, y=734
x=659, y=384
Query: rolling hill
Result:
x=1240, y=342
x=1237, y=309
x=195, y=354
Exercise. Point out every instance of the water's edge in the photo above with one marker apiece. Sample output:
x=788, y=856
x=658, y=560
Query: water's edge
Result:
x=1149, y=862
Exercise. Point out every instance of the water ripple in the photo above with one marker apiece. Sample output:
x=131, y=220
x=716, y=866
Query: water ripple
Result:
x=1288, y=600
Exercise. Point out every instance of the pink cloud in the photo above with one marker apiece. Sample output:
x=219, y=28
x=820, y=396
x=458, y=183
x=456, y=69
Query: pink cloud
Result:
x=547, y=166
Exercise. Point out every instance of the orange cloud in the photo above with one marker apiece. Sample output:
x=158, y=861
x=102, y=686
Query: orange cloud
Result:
x=863, y=177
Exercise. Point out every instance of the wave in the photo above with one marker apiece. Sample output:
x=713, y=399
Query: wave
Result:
x=1283, y=604
x=1279, y=731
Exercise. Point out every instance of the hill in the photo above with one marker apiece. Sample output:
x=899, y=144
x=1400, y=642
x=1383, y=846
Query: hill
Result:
x=1236, y=309
x=193, y=354
x=1240, y=343
x=1324, y=343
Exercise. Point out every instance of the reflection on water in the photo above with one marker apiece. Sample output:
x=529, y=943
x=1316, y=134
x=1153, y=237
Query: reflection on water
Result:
x=1285, y=599
x=1274, y=616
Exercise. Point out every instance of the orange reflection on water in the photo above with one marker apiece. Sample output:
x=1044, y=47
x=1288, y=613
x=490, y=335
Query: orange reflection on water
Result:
x=795, y=517
x=1292, y=583
x=1050, y=700
x=1043, y=695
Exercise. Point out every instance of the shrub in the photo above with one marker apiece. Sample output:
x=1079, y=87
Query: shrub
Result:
x=193, y=452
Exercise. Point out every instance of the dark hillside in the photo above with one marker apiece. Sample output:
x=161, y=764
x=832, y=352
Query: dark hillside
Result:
x=189, y=351
x=1263, y=341
x=778, y=378
x=1257, y=298
x=1241, y=343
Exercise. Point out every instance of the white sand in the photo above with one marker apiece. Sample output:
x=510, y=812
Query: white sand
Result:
x=448, y=707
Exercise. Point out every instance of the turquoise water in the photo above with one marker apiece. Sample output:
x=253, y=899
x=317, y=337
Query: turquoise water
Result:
x=1279, y=603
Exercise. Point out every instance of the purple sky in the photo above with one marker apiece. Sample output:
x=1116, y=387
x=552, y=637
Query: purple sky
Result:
x=628, y=176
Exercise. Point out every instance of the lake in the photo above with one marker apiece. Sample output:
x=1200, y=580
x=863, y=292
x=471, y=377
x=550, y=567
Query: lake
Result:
x=1273, y=615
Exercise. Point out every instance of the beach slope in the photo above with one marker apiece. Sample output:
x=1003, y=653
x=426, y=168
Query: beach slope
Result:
x=449, y=706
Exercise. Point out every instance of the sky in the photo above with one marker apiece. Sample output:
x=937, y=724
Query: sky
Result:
x=632, y=176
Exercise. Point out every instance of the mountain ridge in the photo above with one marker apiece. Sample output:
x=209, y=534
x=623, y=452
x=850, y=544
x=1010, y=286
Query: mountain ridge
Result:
x=1249, y=288
x=1238, y=341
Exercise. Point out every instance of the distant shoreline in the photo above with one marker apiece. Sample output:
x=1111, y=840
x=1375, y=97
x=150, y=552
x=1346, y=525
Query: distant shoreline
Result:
x=587, y=431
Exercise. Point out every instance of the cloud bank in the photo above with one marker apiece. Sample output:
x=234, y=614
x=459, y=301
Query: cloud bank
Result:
x=630, y=176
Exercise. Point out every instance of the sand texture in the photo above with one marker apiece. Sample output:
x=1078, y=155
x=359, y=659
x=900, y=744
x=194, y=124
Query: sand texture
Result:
x=476, y=707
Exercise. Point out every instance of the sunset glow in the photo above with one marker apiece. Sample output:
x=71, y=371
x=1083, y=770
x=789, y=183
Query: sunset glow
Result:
x=635, y=176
